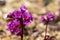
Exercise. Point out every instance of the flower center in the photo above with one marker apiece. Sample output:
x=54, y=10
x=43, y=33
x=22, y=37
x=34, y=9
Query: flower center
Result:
x=16, y=30
x=18, y=14
x=11, y=28
x=25, y=16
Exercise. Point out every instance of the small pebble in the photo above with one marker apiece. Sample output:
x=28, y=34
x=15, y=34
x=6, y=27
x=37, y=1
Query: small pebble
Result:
x=2, y=2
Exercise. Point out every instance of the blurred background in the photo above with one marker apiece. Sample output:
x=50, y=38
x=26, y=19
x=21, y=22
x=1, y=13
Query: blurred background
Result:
x=35, y=31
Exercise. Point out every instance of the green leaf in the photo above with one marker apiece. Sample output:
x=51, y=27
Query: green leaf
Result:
x=47, y=2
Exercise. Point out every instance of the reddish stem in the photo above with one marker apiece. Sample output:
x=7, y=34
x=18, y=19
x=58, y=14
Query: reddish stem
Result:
x=22, y=34
x=22, y=28
x=46, y=30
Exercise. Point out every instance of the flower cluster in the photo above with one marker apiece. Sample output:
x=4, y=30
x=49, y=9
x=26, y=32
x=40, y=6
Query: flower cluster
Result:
x=48, y=17
x=18, y=17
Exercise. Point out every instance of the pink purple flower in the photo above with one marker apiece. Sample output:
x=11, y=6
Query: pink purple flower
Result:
x=18, y=17
x=16, y=22
x=26, y=15
x=31, y=18
x=48, y=17
x=10, y=15
x=27, y=21
x=42, y=19
x=27, y=18
x=10, y=26
x=23, y=8
x=16, y=31
x=17, y=14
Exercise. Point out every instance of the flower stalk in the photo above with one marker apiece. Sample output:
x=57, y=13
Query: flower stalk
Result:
x=22, y=29
x=46, y=31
